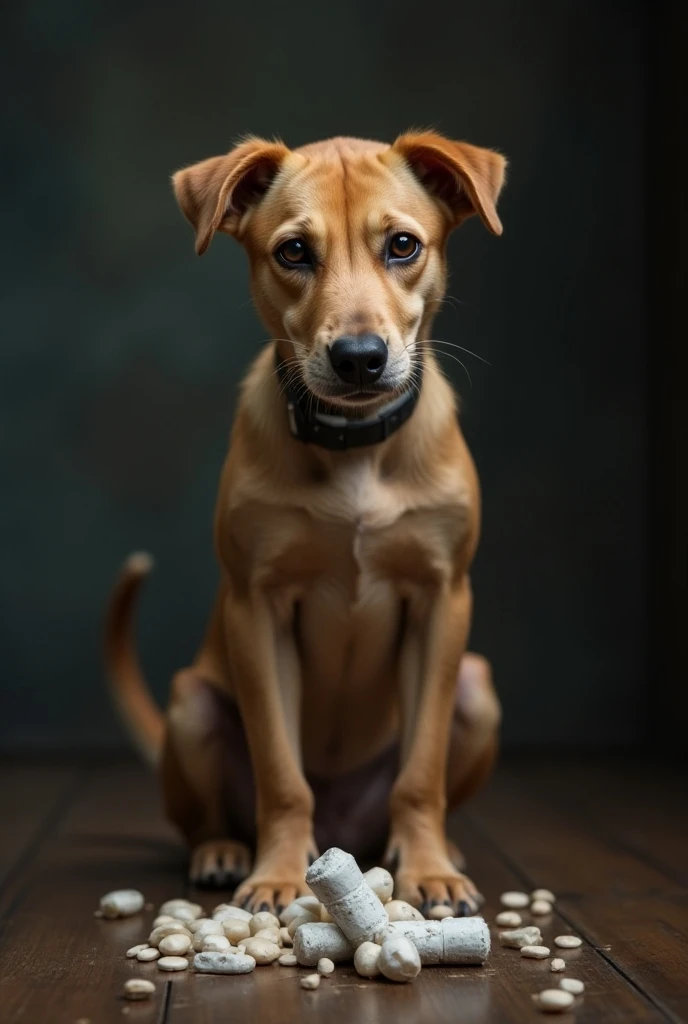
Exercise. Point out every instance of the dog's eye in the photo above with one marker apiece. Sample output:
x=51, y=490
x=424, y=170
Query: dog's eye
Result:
x=402, y=248
x=294, y=253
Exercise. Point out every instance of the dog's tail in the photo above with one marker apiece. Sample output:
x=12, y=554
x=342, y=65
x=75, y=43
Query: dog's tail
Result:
x=141, y=715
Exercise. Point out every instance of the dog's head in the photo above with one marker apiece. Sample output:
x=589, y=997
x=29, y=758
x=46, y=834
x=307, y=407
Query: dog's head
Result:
x=346, y=241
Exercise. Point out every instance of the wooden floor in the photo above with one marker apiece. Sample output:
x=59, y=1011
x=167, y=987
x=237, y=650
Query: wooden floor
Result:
x=610, y=838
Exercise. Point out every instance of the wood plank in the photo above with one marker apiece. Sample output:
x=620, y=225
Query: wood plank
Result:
x=628, y=909
x=30, y=797
x=59, y=963
x=634, y=803
x=499, y=993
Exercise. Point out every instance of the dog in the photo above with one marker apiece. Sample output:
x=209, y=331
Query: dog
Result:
x=332, y=699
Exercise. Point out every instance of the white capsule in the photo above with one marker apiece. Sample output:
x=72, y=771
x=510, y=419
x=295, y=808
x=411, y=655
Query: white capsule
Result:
x=325, y=965
x=535, y=952
x=136, y=949
x=553, y=1000
x=519, y=937
x=236, y=930
x=287, y=960
x=381, y=882
x=175, y=945
x=262, y=951
x=336, y=880
x=439, y=912
x=138, y=988
x=400, y=910
x=223, y=911
x=508, y=919
x=215, y=944
x=366, y=959
x=173, y=963
x=568, y=941
x=121, y=903
x=572, y=985
x=223, y=963
x=310, y=982
x=163, y=930
x=263, y=920
x=147, y=954
x=540, y=907
x=514, y=900
x=399, y=959
x=543, y=894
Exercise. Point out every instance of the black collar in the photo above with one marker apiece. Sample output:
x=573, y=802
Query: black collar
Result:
x=337, y=433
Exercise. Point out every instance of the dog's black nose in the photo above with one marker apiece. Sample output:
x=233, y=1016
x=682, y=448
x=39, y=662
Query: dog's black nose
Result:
x=358, y=358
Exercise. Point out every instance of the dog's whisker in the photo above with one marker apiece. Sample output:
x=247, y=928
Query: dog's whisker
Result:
x=456, y=359
x=453, y=344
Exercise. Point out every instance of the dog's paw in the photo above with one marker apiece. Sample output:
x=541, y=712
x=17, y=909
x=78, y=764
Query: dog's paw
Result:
x=430, y=889
x=219, y=863
x=260, y=893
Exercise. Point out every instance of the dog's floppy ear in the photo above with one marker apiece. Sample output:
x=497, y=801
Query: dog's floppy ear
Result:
x=215, y=194
x=465, y=179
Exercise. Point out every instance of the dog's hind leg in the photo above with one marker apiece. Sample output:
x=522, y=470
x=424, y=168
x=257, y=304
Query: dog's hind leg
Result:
x=474, y=734
x=206, y=780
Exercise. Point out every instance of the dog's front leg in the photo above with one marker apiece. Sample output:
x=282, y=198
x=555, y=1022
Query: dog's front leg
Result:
x=265, y=671
x=436, y=636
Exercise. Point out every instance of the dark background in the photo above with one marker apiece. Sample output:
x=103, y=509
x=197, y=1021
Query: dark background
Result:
x=122, y=352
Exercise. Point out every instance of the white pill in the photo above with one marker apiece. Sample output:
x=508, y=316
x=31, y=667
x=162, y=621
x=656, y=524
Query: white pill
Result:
x=215, y=944
x=175, y=945
x=223, y=963
x=223, y=911
x=317, y=939
x=236, y=930
x=519, y=937
x=165, y=919
x=285, y=937
x=173, y=963
x=540, y=907
x=138, y=988
x=400, y=910
x=310, y=982
x=136, y=949
x=164, y=930
x=572, y=985
x=399, y=959
x=557, y=964
x=262, y=951
x=264, y=920
x=553, y=1000
x=514, y=900
x=508, y=919
x=381, y=882
x=182, y=909
x=121, y=903
x=325, y=966
x=568, y=941
x=535, y=952
x=271, y=934
x=296, y=922
x=439, y=912
x=147, y=954
x=287, y=960
x=543, y=894
x=366, y=959
x=311, y=910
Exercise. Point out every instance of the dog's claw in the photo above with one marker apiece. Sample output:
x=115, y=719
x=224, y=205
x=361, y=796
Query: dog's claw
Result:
x=219, y=864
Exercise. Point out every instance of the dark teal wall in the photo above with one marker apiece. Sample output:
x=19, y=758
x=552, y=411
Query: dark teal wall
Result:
x=121, y=351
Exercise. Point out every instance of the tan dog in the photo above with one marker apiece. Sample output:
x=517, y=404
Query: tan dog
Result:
x=346, y=522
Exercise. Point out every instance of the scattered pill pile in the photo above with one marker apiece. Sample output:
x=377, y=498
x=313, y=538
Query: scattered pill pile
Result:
x=350, y=916
x=528, y=940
